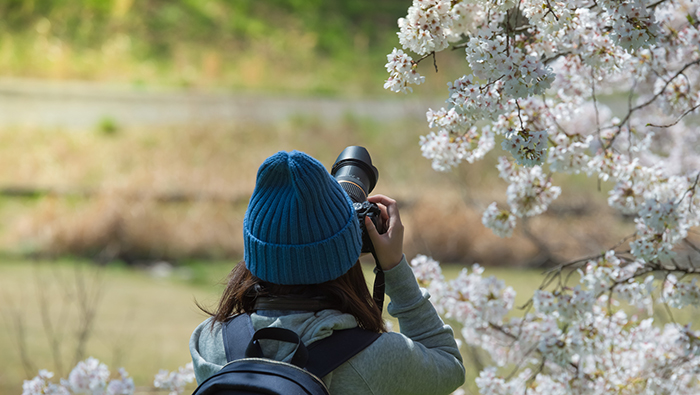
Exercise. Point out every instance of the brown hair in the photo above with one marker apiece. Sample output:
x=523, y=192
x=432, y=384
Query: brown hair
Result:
x=347, y=293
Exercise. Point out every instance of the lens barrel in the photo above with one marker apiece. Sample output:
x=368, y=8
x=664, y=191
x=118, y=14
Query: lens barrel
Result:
x=355, y=173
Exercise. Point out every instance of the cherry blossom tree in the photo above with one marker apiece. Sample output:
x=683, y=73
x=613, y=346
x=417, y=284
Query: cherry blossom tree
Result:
x=536, y=73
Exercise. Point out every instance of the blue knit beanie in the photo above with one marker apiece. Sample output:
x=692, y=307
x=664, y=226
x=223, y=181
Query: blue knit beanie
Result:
x=300, y=226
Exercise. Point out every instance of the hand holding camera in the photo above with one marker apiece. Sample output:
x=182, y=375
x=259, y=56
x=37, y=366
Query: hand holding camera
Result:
x=378, y=215
x=389, y=244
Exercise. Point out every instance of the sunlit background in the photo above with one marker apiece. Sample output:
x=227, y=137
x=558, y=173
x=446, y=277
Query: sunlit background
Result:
x=130, y=135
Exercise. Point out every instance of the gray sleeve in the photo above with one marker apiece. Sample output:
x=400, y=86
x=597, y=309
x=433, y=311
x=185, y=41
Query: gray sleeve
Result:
x=424, y=357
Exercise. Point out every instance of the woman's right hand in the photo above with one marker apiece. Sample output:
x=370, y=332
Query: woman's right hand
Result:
x=389, y=245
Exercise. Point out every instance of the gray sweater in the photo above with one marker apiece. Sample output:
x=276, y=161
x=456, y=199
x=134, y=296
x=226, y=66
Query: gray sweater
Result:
x=422, y=359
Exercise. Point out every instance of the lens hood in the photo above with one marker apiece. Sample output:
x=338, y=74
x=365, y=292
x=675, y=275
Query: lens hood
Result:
x=352, y=159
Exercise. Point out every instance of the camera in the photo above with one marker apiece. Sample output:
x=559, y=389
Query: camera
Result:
x=357, y=176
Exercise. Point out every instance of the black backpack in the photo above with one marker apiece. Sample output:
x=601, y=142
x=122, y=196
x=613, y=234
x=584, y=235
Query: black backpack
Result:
x=249, y=372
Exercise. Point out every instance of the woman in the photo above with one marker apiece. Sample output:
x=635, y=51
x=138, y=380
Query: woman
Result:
x=302, y=245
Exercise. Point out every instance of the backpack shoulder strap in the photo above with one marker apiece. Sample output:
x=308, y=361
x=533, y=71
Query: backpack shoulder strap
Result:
x=237, y=333
x=327, y=354
x=324, y=355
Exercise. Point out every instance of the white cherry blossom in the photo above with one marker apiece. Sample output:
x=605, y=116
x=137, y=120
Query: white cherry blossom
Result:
x=92, y=377
x=501, y=222
x=402, y=71
x=606, y=88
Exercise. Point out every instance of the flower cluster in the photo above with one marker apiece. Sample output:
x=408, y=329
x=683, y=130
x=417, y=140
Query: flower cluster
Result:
x=491, y=59
x=569, y=153
x=576, y=336
x=474, y=101
x=466, y=17
x=41, y=385
x=609, y=271
x=123, y=386
x=88, y=376
x=676, y=94
x=454, y=141
x=530, y=191
x=572, y=52
x=174, y=381
x=564, y=306
x=428, y=273
x=501, y=222
x=477, y=301
x=528, y=148
x=632, y=24
x=402, y=71
x=425, y=28
x=680, y=294
x=92, y=377
x=664, y=219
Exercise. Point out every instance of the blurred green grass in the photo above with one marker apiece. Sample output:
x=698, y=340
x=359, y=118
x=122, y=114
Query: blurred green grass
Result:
x=143, y=323
x=306, y=47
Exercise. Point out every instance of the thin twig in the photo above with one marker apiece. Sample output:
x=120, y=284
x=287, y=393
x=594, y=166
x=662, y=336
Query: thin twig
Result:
x=555, y=57
x=690, y=190
x=691, y=245
x=544, y=252
x=654, y=5
x=49, y=330
x=88, y=300
x=669, y=312
x=550, y=10
x=648, y=102
x=678, y=120
x=460, y=46
x=424, y=57
x=521, y=362
x=522, y=124
x=15, y=318
x=534, y=374
x=595, y=107
x=629, y=106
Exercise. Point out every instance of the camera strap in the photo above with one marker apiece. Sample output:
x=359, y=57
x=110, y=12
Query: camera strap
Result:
x=378, y=291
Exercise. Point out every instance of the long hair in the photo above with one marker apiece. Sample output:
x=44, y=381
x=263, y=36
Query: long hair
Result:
x=347, y=293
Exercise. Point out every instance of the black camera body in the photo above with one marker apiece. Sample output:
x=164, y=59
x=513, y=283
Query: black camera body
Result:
x=357, y=176
x=371, y=210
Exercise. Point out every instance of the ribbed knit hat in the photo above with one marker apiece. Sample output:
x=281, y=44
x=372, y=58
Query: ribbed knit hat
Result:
x=300, y=226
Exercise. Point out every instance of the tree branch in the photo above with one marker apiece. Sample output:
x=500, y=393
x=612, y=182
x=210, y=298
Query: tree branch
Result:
x=691, y=245
x=555, y=57
x=425, y=57
x=654, y=5
x=550, y=10
x=650, y=101
x=678, y=120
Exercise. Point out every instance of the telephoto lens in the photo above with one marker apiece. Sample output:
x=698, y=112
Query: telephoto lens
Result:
x=357, y=176
x=354, y=171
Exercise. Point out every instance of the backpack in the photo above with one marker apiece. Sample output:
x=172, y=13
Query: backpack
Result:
x=248, y=372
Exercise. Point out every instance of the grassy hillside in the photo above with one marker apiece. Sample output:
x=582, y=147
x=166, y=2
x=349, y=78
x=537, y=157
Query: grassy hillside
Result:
x=304, y=46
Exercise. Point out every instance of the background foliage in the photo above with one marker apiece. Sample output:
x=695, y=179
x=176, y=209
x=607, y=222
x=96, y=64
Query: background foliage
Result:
x=242, y=44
